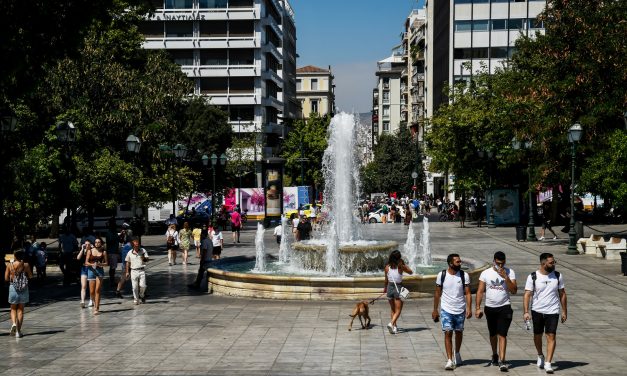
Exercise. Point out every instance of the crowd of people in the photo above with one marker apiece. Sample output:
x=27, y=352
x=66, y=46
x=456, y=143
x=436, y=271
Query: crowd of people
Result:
x=543, y=297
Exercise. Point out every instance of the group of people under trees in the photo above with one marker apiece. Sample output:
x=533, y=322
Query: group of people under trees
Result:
x=543, y=297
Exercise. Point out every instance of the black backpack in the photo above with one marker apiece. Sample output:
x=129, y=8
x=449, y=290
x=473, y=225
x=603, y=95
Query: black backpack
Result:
x=444, y=273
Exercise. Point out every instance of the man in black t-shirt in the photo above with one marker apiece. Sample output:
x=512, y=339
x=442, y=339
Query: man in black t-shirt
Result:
x=304, y=228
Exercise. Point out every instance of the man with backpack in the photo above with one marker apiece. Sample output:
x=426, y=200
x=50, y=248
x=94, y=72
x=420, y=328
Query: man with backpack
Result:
x=452, y=292
x=545, y=289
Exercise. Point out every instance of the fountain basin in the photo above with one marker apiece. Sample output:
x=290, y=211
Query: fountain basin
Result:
x=361, y=256
x=289, y=287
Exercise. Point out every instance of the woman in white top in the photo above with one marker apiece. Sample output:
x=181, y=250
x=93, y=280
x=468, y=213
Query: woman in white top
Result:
x=393, y=283
x=172, y=243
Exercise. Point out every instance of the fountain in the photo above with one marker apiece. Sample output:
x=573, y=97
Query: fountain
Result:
x=339, y=264
x=260, y=250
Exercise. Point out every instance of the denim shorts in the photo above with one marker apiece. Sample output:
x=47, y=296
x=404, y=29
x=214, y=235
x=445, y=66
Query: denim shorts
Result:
x=93, y=273
x=452, y=321
x=84, y=270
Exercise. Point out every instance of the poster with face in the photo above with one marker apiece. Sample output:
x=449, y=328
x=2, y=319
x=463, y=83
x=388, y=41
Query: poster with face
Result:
x=273, y=192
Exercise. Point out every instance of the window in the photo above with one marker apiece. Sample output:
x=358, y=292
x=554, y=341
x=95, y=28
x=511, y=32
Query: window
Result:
x=535, y=23
x=463, y=1
x=386, y=82
x=241, y=56
x=463, y=26
x=204, y=4
x=499, y=24
x=213, y=57
x=151, y=29
x=471, y=53
x=299, y=84
x=314, y=105
x=386, y=97
x=386, y=127
x=480, y=25
x=515, y=23
x=386, y=111
x=178, y=4
x=179, y=29
x=498, y=52
x=182, y=57
x=212, y=29
x=480, y=53
x=314, y=84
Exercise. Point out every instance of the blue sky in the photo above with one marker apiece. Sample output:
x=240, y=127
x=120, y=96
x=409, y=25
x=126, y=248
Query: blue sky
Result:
x=351, y=36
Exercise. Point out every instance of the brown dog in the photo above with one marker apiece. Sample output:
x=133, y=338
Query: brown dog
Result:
x=361, y=310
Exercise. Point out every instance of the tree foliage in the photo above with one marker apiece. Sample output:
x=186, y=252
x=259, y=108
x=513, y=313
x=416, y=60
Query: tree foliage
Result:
x=308, y=139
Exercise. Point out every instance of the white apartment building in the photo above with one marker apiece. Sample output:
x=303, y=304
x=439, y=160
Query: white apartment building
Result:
x=240, y=55
x=477, y=32
x=386, y=97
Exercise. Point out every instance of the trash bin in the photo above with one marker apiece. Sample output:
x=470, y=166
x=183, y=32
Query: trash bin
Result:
x=623, y=263
x=578, y=230
x=521, y=233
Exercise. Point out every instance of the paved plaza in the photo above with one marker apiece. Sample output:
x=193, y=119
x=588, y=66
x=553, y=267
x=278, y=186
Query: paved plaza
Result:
x=183, y=332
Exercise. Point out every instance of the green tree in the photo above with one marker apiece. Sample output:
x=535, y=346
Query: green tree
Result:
x=308, y=139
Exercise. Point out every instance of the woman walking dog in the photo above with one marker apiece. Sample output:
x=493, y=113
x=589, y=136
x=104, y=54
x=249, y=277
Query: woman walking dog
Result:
x=393, y=283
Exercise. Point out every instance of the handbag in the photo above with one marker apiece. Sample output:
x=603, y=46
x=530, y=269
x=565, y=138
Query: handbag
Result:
x=403, y=293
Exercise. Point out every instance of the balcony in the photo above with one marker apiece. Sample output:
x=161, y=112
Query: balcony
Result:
x=156, y=43
x=221, y=70
x=244, y=126
x=274, y=128
x=272, y=102
x=224, y=99
x=274, y=77
x=271, y=48
x=269, y=21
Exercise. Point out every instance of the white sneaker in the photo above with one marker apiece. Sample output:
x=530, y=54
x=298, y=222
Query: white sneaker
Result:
x=91, y=303
x=548, y=368
x=394, y=330
x=540, y=362
x=541, y=238
x=13, y=329
x=390, y=328
x=449, y=365
x=18, y=334
x=555, y=238
x=458, y=359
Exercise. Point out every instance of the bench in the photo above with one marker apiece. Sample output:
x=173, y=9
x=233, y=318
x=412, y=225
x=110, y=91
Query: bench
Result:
x=581, y=245
x=592, y=245
x=614, y=247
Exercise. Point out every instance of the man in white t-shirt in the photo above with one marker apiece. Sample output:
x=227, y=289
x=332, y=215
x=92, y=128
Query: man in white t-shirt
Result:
x=546, y=287
x=136, y=261
x=452, y=293
x=497, y=283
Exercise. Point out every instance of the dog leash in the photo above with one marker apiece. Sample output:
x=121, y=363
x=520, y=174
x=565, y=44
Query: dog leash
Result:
x=375, y=299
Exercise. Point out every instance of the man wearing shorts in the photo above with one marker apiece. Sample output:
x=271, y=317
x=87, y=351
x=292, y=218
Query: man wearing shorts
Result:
x=236, y=224
x=452, y=293
x=545, y=289
x=497, y=283
x=215, y=235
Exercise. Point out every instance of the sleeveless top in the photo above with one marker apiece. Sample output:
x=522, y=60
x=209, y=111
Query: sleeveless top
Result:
x=394, y=275
x=95, y=258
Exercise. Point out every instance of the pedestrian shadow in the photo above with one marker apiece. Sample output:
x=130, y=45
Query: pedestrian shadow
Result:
x=116, y=310
x=156, y=302
x=408, y=330
x=566, y=364
x=44, y=333
x=110, y=303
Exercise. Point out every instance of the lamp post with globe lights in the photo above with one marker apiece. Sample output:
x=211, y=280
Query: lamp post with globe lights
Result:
x=133, y=145
x=574, y=135
x=531, y=231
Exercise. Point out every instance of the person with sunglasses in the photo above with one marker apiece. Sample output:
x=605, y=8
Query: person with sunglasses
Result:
x=545, y=291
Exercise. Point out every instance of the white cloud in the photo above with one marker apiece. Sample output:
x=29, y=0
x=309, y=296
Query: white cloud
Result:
x=353, y=86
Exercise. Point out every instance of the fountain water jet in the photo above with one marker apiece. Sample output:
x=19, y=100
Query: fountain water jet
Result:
x=260, y=250
x=284, y=246
x=410, y=249
x=425, y=243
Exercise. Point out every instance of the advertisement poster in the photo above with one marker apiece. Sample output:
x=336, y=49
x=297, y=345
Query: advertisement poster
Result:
x=273, y=192
x=303, y=195
x=290, y=199
x=230, y=198
x=198, y=201
x=253, y=201
x=505, y=203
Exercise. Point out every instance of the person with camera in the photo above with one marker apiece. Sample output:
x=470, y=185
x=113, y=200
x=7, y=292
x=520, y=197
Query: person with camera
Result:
x=393, y=284
x=545, y=290
x=136, y=261
x=452, y=293
x=497, y=283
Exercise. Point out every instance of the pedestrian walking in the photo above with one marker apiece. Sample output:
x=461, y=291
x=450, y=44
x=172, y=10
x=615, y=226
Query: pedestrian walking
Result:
x=196, y=235
x=394, y=270
x=497, y=283
x=206, y=255
x=136, y=261
x=112, y=241
x=543, y=212
x=461, y=213
x=278, y=230
x=126, y=248
x=452, y=295
x=545, y=290
x=185, y=241
x=42, y=260
x=384, y=213
x=172, y=243
x=17, y=273
x=68, y=245
x=96, y=261
x=304, y=229
x=218, y=241
x=236, y=224
x=81, y=257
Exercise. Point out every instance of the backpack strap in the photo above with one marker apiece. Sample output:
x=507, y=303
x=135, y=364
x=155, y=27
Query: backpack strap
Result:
x=463, y=276
x=442, y=277
x=557, y=275
x=534, y=276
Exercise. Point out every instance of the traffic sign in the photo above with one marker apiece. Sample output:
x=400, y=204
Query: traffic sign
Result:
x=414, y=188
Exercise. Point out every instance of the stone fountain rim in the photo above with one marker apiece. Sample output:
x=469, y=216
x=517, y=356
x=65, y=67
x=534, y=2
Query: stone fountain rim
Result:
x=383, y=245
x=475, y=265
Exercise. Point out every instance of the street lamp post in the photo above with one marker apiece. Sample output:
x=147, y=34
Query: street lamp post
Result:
x=414, y=175
x=66, y=135
x=214, y=162
x=574, y=135
x=531, y=231
x=180, y=152
x=133, y=144
x=239, y=166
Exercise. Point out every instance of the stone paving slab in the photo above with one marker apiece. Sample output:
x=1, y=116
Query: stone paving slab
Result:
x=182, y=332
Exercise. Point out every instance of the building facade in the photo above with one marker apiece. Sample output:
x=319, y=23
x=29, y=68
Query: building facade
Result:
x=315, y=90
x=386, y=96
x=240, y=55
x=462, y=38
